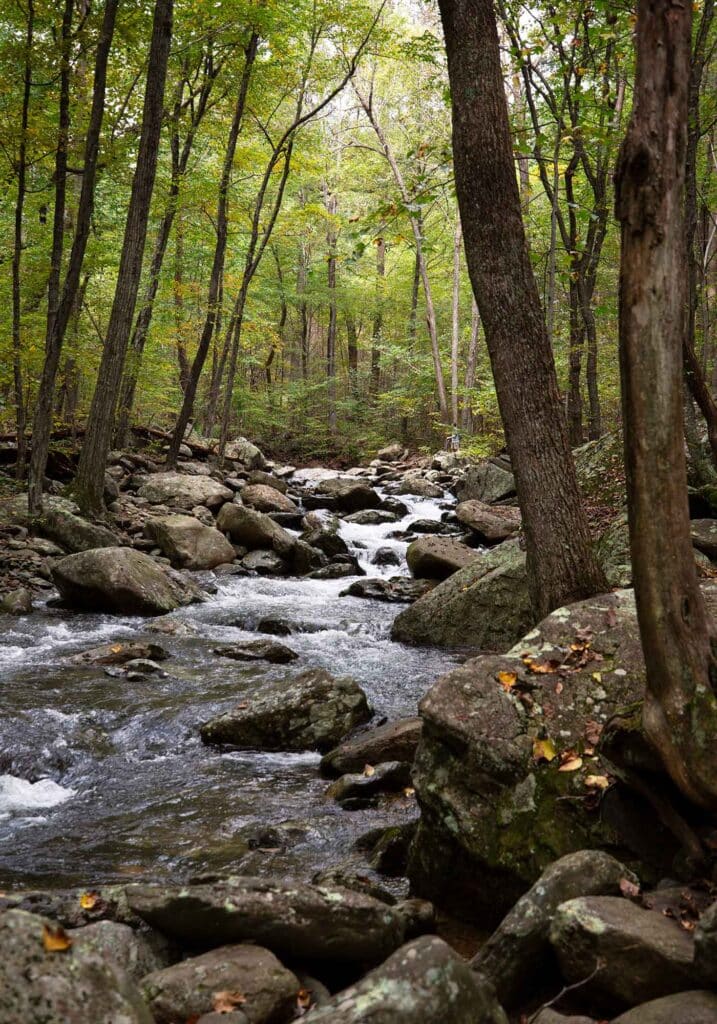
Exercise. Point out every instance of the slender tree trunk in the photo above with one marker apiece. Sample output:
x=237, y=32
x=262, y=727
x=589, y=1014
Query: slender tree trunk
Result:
x=21, y=167
x=412, y=329
x=179, y=313
x=471, y=367
x=352, y=350
x=89, y=483
x=57, y=325
x=680, y=709
x=574, y=403
x=220, y=249
x=331, y=209
x=301, y=276
x=455, y=321
x=377, y=328
x=561, y=564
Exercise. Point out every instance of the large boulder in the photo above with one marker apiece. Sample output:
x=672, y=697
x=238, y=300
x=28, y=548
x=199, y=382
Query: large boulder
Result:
x=122, y=581
x=704, y=536
x=391, y=453
x=312, y=711
x=695, y=1007
x=188, y=544
x=490, y=524
x=424, y=982
x=485, y=482
x=396, y=590
x=437, y=558
x=349, y=494
x=264, y=498
x=415, y=483
x=184, y=490
x=290, y=918
x=72, y=532
x=264, y=990
x=46, y=979
x=137, y=950
x=394, y=741
x=484, y=606
x=600, y=469
x=506, y=773
x=254, y=529
x=242, y=450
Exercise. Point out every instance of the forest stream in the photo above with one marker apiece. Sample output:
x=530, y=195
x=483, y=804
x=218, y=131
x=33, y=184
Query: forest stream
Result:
x=106, y=778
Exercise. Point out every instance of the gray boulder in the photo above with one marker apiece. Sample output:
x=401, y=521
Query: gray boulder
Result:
x=265, y=990
x=290, y=918
x=491, y=524
x=188, y=544
x=16, y=602
x=349, y=494
x=633, y=955
x=424, y=982
x=242, y=450
x=137, y=951
x=391, y=453
x=437, y=558
x=324, y=536
x=395, y=741
x=414, y=483
x=397, y=589
x=118, y=653
x=254, y=529
x=122, y=581
x=706, y=945
x=264, y=498
x=184, y=490
x=72, y=532
x=258, y=650
x=371, y=517
x=704, y=536
x=45, y=979
x=695, y=1007
x=484, y=606
x=312, y=711
x=485, y=482
x=265, y=563
x=258, y=476
x=358, y=788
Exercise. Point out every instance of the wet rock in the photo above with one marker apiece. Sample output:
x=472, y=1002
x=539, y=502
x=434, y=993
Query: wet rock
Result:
x=258, y=476
x=519, y=949
x=118, y=653
x=266, y=499
x=385, y=556
x=353, y=874
x=17, y=602
x=137, y=951
x=267, y=989
x=695, y=1007
x=491, y=804
x=395, y=741
x=389, y=777
x=388, y=853
x=704, y=536
x=484, y=605
x=326, y=538
x=290, y=918
x=349, y=495
x=485, y=482
x=437, y=558
x=265, y=563
x=258, y=650
x=635, y=955
x=275, y=627
x=397, y=589
x=412, y=483
x=67, y=986
x=491, y=524
x=313, y=711
x=72, y=532
x=395, y=505
x=188, y=544
x=424, y=982
x=419, y=917
x=305, y=559
x=706, y=945
x=254, y=529
x=183, y=490
x=371, y=517
x=242, y=450
x=391, y=453
x=430, y=526
x=549, y=1016
x=120, y=580
x=336, y=571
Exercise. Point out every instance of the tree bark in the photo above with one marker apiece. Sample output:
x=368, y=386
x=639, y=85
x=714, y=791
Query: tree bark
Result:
x=59, y=318
x=352, y=351
x=680, y=708
x=89, y=483
x=377, y=326
x=455, y=320
x=331, y=237
x=561, y=564
x=471, y=368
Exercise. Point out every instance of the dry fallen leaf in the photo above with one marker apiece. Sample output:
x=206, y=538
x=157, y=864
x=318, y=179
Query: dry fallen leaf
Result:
x=89, y=900
x=628, y=888
x=592, y=732
x=409, y=791
x=597, y=781
x=55, y=940
x=507, y=680
x=226, y=1002
x=571, y=765
x=544, y=668
x=544, y=750
x=303, y=999
x=369, y=770
x=558, y=687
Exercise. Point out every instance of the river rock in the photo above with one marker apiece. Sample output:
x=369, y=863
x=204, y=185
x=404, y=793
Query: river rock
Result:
x=64, y=985
x=485, y=482
x=265, y=563
x=258, y=650
x=325, y=537
x=184, y=490
x=254, y=529
x=258, y=476
x=313, y=711
x=355, y=790
x=290, y=918
x=437, y=558
x=349, y=495
x=371, y=517
x=494, y=803
x=484, y=605
x=122, y=581
x=137, y=951
x=73, y=532
x=704, y=536
x=385, y=556
x=639, y=954
x=337, y=571
x=391, y=453
x=424, y=982
x=706, y=945
x=188, y=544
x=491, y=524
x=397, y=589
x=414, y=483
x=118, y=653
x=395, y=741
x=695, y=1007
x=266, y=991
x=242, y=450
x=16, y=602
x=266, y=499
x=519, y=949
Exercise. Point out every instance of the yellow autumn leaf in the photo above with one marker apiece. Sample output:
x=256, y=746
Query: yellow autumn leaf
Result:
x=226, y=1002
x=572, y=765
x=88, y=900
x=507, y=680
x=597, y=781
x=369, y=770
x=55, y=940
x=544, y=750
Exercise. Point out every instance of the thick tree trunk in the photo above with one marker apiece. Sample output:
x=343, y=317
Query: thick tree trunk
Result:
x=89, y=483
x=455, y=320
x=680, y=709
x=331, y=236
x=59, y=318
x=561, y=564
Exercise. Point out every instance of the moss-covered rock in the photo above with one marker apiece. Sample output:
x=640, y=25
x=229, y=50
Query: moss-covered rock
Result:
x=600, y=467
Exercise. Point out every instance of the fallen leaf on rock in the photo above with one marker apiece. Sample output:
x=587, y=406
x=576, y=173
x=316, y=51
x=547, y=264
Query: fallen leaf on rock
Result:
x=628, y=888
x=597, y=781
x=303, y=1000
x=55, y=940
x=226, y=1002
x=507, y=680
x=544, y=750
x=593, y=730
x=369, y=770
x=558, y=688
x=571, y=765
x=543, y=668
x=89, y=900
x=409, y=791
x=597, y=676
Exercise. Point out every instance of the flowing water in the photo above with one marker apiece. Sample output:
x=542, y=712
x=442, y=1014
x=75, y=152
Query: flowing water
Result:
x=102, y=778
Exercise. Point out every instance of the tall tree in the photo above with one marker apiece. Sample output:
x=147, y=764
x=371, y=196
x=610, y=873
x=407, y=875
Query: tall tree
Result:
x=561, y=564
x=680, y=709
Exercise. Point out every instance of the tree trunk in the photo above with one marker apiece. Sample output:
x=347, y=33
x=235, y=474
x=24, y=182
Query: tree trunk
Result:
x=89, y=483
x=331, y=209
x=57, y=324
x=352, y=350
x=680, y=709
x=561, y=563
x=377, y=328
x=455, y=321
x=471, y=368
x=178, y=295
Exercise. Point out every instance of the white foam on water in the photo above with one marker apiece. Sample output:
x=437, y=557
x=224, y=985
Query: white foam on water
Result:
x=20, y=795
